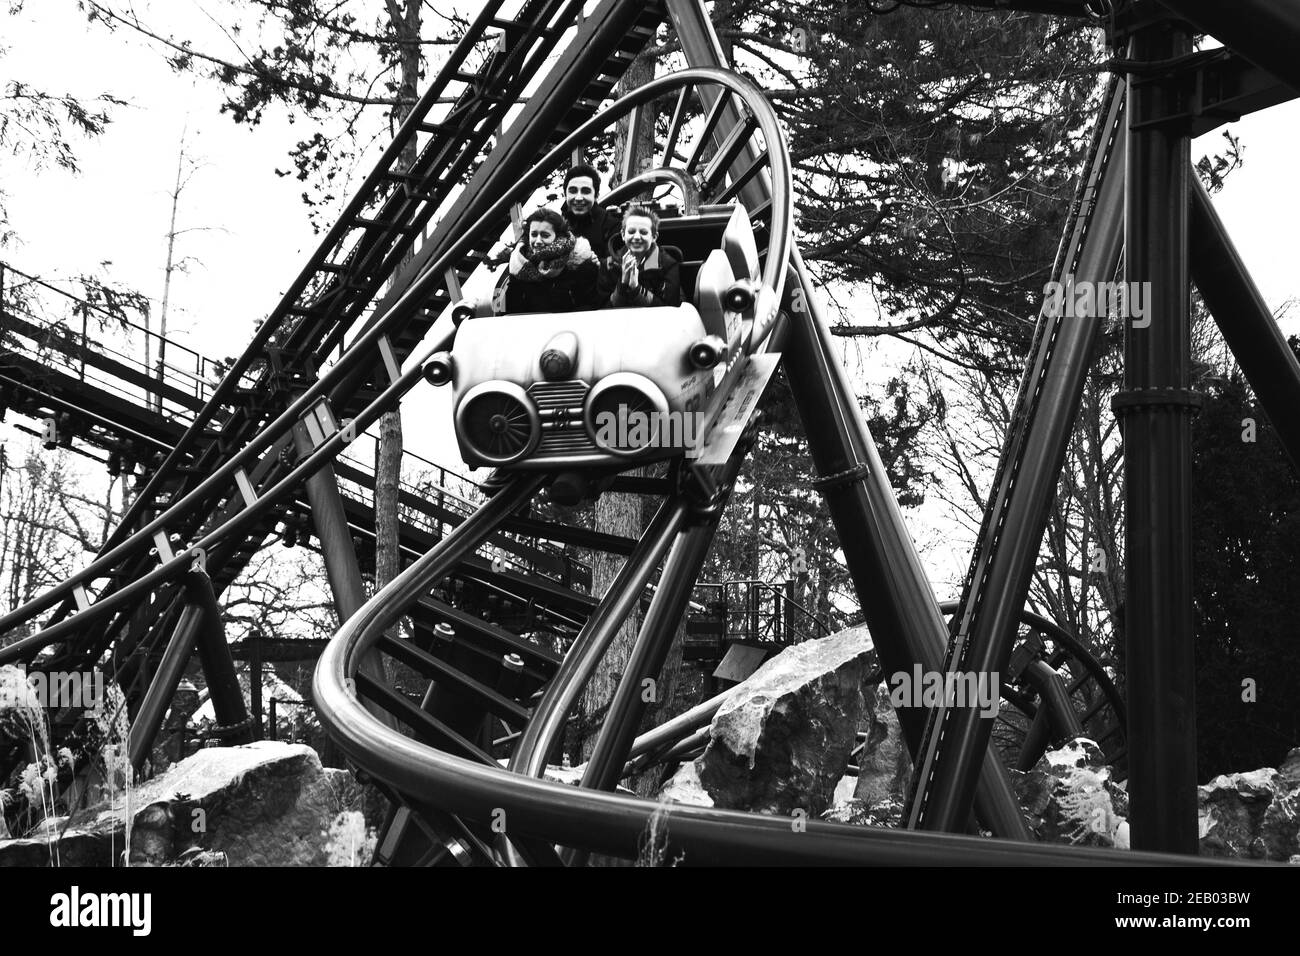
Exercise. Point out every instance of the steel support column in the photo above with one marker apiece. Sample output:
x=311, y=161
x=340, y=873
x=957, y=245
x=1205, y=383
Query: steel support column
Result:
x=219, y=667
x=1156, y=410
x=331, y=524
x=153, y=707
x=1245, y=321
x=589, y=647
x=338, y=552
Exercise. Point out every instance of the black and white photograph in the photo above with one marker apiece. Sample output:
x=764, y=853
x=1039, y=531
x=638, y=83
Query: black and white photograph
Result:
x=650, y=433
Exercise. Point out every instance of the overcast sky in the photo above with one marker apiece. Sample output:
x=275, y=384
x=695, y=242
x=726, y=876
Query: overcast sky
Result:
x=255, y=237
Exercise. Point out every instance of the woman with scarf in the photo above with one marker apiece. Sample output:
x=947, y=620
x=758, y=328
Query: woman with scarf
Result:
x=551, y=270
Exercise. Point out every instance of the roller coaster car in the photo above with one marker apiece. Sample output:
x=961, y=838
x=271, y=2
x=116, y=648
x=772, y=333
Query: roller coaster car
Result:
x=609, y=387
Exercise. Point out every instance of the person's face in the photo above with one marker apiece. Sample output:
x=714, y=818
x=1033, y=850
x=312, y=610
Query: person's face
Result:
x=580, y=194
x=540, y=233
x=638, y=233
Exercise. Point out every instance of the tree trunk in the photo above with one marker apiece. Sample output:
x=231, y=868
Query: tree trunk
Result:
x=634, y=149
x=388, y=455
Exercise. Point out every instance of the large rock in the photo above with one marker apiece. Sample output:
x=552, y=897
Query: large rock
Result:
x=262, y=804
x=1069, y=797
x=1253, y=815
x=781, y=741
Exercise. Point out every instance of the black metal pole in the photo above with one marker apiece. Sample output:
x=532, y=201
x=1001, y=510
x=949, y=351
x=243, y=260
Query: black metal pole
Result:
x=547, y=723
x=667, y=607
x=331, y=524
x=1054, y=698
x=219, y=667
x=608, y=757
x=144, y=727
x=891, y=583
x=340, y=556
x=1245, y=321
x=1156, y=410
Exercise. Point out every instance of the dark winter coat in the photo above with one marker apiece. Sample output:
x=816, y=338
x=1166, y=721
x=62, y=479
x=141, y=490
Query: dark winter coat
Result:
x=661, y=282
x=572, y=290
x=598, y=227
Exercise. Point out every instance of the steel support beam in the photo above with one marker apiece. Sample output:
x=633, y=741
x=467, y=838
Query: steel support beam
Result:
x=331, y=524
x=1266, y=32
x=1054, y=699
x=589, y=647
x=1006, y=551
x=153, y=707
x=681, y=567
x=339, y=553
x=1245, y=321
x=219, y=667
x=1155, y=410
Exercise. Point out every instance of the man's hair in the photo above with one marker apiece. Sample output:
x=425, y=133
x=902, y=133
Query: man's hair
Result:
x=551, y=216
x=646, y=212
x=582, y=169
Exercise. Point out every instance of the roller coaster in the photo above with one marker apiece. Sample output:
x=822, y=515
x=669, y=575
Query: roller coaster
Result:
x=378, y=307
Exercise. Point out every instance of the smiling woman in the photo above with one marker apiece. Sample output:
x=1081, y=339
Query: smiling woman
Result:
x=639, y=272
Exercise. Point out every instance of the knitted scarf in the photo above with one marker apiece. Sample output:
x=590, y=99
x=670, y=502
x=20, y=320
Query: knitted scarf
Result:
x=537, y=265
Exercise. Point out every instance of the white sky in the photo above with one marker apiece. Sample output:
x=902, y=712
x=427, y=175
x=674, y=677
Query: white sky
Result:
x=257, y=237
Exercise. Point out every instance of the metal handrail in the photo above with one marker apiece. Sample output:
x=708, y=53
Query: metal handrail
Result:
x=784, y=598
x=201, y=386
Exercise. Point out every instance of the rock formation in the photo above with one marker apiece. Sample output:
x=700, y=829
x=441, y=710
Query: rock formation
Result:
x=781, y=741
x=262, y=804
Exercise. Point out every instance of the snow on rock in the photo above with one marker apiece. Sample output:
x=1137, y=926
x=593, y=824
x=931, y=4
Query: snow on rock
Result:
x=781, y=741
x=1069, y=797
x=685, y=787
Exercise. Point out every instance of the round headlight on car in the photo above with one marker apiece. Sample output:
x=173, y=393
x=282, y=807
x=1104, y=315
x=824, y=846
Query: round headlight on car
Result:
x=624, y=413
x=499, y=422
x=438, y=370
x=707, y=352
x=461, y=311
x=739, y=297
x=560, y=357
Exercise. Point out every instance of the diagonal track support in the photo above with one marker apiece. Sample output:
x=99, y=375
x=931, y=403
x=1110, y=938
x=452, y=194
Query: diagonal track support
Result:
x=1005, y=553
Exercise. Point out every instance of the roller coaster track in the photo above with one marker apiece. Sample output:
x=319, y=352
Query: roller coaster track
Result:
x=229, y=435
x=322, y=369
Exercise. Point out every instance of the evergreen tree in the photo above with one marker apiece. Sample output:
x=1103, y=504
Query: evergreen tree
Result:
x=1246, y=519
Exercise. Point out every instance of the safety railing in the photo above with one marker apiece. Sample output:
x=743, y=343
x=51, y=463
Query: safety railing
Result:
x=756, y=610
x=99, y=345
